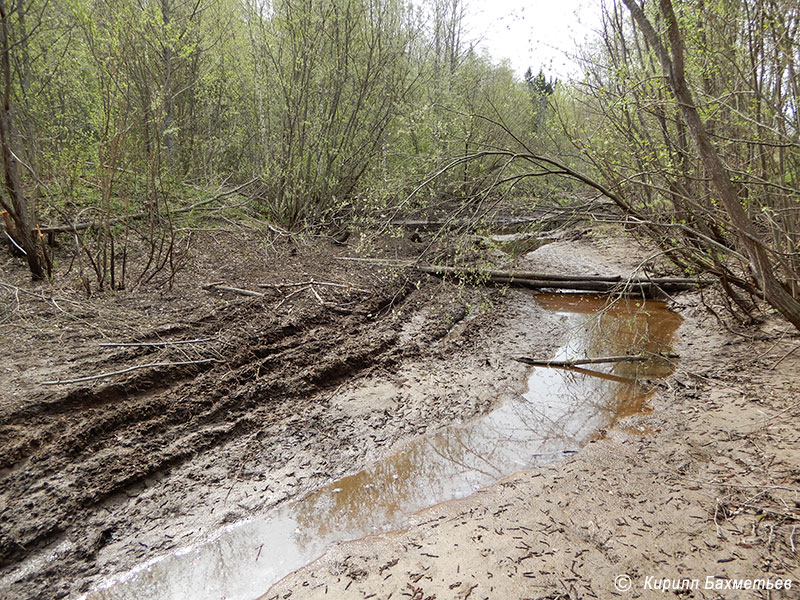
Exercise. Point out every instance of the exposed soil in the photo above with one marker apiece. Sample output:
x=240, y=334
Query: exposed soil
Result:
x=101, y=475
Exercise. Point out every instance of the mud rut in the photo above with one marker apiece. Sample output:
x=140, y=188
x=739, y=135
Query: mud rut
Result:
x=63, y=454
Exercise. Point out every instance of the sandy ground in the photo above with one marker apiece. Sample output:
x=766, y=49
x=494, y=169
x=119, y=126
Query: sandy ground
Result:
x=701, y=495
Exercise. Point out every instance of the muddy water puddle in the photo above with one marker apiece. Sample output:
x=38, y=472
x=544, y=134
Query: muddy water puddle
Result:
x=561, y=411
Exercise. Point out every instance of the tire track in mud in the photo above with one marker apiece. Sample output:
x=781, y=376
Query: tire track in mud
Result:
x=62, y=454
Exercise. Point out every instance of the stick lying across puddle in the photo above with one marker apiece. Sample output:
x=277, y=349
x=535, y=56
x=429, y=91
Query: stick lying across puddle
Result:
x=591, y=361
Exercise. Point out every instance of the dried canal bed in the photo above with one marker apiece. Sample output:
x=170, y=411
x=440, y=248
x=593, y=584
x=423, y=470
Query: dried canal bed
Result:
x=562, y=410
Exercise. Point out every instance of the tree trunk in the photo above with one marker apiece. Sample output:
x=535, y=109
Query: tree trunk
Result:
x=673, y=70
x=20, y=211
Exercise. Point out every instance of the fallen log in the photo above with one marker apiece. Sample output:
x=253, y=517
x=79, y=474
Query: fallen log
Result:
x=647, y=286
x=592, y=361
x=387, y=262
x=636, y=288
x=551, y=277
x=432, y=224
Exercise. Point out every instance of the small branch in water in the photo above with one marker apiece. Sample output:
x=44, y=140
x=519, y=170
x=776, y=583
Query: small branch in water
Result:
x=128, y=370
x=591, y=361
x=599, y=374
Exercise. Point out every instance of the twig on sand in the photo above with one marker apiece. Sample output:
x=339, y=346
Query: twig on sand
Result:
x=233, y=290
x=783, y=358
x=278, y=286
x=389, y=262
x=294, y=293
x=128, y=370
x=138, y=344
x=318, y=297
x=38, y=295
x=745, y=486
x=302, y=285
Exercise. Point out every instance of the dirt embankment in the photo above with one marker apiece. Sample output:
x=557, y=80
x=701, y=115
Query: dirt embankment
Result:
x=700, y=495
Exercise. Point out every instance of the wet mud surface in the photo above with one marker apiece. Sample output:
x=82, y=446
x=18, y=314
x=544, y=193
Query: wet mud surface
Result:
x=100, y=476
x=556, y=415
x=67, y=452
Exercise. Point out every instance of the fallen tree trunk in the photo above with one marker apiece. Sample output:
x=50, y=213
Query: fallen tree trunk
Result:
x=592, y=361
x=647, y=286
x=549, y=277
x=635, y=287
x=433, y=224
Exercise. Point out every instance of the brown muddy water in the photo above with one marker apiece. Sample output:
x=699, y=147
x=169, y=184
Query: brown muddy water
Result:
x=561, y=411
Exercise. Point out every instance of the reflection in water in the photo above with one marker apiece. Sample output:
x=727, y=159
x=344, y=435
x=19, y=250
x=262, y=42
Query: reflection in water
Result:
x=562, y=410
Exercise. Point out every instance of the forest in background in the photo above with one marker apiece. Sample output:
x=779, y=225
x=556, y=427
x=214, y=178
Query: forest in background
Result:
x=331, y=110
x=121, y=117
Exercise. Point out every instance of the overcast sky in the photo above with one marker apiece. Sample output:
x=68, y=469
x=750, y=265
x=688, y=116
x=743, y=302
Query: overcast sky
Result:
x=535, y=33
